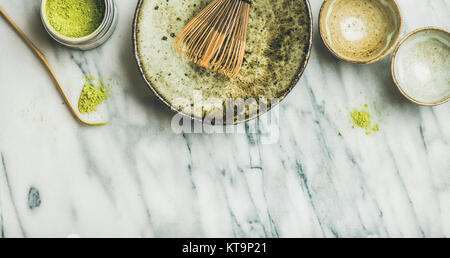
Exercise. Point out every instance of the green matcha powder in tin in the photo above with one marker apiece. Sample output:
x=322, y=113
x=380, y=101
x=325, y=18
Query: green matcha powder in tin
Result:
x=75, y=18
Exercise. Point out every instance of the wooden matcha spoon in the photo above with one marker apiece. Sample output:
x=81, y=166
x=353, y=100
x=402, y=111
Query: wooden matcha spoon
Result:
x=50, y=70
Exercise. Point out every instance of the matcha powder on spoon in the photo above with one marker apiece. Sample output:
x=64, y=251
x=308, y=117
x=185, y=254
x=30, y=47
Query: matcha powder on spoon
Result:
x=75, y=18
x=92, y=96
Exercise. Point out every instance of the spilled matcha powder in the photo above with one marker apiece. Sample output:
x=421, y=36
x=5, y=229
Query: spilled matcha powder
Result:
x=92, y=95
x=362, y=118
x=75, y=18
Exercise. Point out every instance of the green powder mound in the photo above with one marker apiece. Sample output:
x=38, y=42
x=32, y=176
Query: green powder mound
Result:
x=75, y=18
x=363, y=119
x=92, y=96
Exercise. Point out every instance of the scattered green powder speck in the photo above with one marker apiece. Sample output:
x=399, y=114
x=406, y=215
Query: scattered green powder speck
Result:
x=376, y=128
x=92, y=95
x=75, y=18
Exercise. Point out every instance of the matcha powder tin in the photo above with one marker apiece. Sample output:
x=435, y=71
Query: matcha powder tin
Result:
x=79, y=24
x=75, y=18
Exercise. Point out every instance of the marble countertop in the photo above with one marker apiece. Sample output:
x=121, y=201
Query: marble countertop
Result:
x=136, y=177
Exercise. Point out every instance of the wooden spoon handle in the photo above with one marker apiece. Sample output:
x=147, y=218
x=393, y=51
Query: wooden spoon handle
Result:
x=50, y=70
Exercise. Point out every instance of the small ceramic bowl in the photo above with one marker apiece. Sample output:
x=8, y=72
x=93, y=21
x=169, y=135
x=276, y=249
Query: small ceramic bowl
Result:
x=360, y=31
x=421, y=66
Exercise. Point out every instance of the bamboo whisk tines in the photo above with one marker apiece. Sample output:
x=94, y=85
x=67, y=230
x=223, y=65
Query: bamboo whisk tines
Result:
x=216, y=37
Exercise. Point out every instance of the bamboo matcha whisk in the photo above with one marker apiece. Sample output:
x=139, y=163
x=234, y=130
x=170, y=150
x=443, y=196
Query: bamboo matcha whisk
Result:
x=216, y=37
x=50, y=70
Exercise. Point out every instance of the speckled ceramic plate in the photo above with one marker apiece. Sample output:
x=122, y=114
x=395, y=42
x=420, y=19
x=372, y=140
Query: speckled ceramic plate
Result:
x=278, y=48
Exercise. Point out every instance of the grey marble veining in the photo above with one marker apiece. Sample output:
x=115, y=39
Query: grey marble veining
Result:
x=135, y=177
